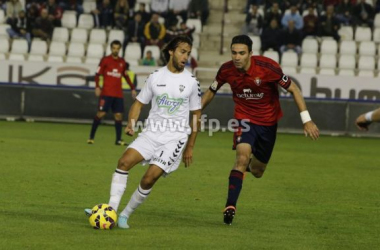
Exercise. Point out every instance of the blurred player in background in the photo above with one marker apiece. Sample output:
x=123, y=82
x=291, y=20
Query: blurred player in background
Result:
x=254, y=81
x=364, y=120
x=173, y=92
x=112, y=68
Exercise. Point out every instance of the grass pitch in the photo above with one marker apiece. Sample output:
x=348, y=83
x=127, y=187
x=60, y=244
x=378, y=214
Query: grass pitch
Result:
x=314, y=195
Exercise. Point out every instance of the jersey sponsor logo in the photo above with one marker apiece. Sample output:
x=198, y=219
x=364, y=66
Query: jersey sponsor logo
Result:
x=114, y=73
x=214, y=85
x=248, y=95
x=172, y=104
x=257, y=81
x=181, y=88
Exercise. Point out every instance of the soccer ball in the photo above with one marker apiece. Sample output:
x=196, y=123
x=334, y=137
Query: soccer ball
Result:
x=103, y=217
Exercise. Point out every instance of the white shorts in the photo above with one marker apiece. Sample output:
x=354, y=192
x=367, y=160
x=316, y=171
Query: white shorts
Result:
x=162, y=149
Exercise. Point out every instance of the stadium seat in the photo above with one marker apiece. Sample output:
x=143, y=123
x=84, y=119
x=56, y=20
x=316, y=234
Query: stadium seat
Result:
x=116, y=35
x=366, y=73
x=86, y=21
x=3, y=30
x=4, y=45
x=366, y=63
x=133, y=51
x=308, y=60
x=38, y=47
x=73, y=59
x=2, y=56
x=346, y=72
x=2, y=16
x=57, y=49
x=376, y=23
x=155, y=51
x=54, y=59
x=329, y=47
x=376, y=36
x=19, y=46
x=76, y=50
x=311, y=71
x=289, y=70
x=194, y=23
x=95, y=51
x=256, y=52
x=327, y=72
x=346, y=33
x=35, y=58
x=272, y=55
x=347, y=62
x=367, y=48
x=133, y=62
x=98, y=36
x=363, y=34
x=348, y=48
x=327, y=61
x=108, y=50
x=290, y=59
x=90, y=60
x=79, y=35
x=60, y=34
x=16, y=57
x=310, y=45
x=256, y=42
x=69, y=20
x=89, y=6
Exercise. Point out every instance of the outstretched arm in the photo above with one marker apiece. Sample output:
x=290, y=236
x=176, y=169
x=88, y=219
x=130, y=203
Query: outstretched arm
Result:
x=133, y=116
x=309, y=126
x=364, y=120
x=195, y=126
x=207, y=98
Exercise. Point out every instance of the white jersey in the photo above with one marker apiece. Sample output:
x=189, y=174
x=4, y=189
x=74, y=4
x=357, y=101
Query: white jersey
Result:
x=173, y=96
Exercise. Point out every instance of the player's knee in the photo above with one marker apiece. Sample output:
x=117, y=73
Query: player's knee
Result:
x=243, y=160
x=258, y=172
x=125, y=164
x=148, y=181
x=118, y=117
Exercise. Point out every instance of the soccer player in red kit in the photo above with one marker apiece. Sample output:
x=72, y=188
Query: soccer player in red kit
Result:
x=112, y=68
x=254, y=82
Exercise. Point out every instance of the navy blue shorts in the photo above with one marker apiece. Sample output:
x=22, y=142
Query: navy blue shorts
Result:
x=116, y=104
x=261, y=139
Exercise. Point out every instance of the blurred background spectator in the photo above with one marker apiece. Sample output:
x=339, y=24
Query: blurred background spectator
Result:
x=344, y=12
x=148, y=59
x=154, y=32
x=363, y=13
x=253, y=22
x=121, y=13
x=178, y=8
x=294, y=16
x=271, y=36
x=273, y=12
x=13, y=7
x=310, y=21
x=199, y=9
x=54, y=12
x=20, y=28
x=145, y=16
x=103, y=14
x=43, y=27
x=329, y=24
x=160, y=7
x=291, y=39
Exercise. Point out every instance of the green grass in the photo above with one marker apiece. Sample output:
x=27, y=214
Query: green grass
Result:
x=314, y=195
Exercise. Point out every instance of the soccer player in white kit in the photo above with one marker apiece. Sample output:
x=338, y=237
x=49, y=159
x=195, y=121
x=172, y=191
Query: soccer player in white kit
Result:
x=168, y=137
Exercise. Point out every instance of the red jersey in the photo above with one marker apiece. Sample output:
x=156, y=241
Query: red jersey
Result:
x=112, y=70
x=255, y=92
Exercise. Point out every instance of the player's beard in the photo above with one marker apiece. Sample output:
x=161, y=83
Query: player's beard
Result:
x=176, y=64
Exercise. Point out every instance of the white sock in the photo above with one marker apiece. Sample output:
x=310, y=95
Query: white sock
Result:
x=118, y=186
x=138, y=197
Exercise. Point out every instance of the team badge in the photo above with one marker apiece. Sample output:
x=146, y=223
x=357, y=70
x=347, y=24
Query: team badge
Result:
x=181, y=88
x=121, y=65
x=257, y=81
x=214, y=85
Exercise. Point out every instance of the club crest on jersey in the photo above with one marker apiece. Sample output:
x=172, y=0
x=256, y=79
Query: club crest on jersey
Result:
x=172, y=104
x=257, y=81
x=181, y=88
